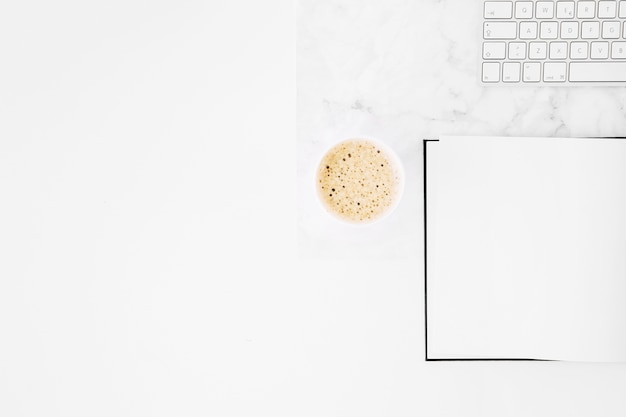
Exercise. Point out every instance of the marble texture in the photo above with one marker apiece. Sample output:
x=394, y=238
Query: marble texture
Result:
x=401, y=71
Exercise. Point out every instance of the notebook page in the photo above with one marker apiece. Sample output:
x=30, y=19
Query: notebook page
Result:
x=529, y=252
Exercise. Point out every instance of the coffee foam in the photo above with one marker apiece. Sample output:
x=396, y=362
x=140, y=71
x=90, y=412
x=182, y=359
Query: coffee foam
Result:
x=359, y=181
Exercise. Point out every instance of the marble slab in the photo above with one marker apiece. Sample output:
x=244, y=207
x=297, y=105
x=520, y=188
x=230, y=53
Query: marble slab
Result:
x=402, y=71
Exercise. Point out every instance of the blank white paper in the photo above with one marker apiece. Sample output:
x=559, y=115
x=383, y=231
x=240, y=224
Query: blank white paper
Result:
x=527, y=248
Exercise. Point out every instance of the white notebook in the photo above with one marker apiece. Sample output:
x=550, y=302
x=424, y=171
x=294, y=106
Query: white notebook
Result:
x=525, y=248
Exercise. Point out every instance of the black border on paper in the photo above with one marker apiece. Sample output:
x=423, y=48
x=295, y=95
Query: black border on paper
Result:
x=425, y=143
x=426, y=357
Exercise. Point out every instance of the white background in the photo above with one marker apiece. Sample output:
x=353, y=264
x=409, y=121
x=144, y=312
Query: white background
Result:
x=148, y=261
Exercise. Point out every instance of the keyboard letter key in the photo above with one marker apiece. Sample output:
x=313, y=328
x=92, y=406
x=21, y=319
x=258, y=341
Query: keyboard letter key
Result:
x=590, y=30
x=610, y=30
x=578, y=50
x=544, y=10
x=528, y=30
x=599, y=50
x=597, y=71
x=523, y=9
x=622, y=10
x=565, y=10
x=606, y=9
x=548, y=30
x=537, y=50
x=569, y=30
x=491, y=72
x=586, y=9
x=558, y=50
x=618, y=50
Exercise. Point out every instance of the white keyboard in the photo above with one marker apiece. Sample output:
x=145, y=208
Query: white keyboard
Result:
x=554, y=42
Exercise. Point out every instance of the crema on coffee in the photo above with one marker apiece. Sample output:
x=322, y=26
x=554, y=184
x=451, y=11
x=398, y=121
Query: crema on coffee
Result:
x=358, y=181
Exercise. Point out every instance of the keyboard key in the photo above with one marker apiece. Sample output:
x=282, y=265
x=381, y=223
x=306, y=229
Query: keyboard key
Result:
x=597, y=71
x=554, y=72
x=622, y=10
x=578, y=50
x=590, y=30
x=565, y=10
x=537, y=50
x=569, y=30
x=498, y=10
x=532, y=72
x=494, y=50
x=524, y=9
x=491, y=72
x=544, y=10
x=610, y=30
x=511, y=72
x=586, y=10
x=500, y=30
x=558, y=50
x=517, y=50
x=618, y=50
x=606, y=9
x=528, y=30
x=548, y=30
x=599, y=50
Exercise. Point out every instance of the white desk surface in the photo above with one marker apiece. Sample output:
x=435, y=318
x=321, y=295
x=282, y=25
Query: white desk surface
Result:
x=403, y=71
x=153, y=262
